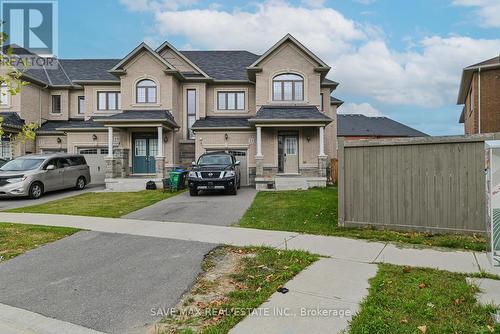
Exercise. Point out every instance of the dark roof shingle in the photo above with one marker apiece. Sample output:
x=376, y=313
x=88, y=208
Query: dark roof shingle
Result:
x=223, y=65
x=89, y=69
x=361, y=125
x=290, y=113
x=221, y=122
x=12, y=119
x=131, y=115
x=53, y=126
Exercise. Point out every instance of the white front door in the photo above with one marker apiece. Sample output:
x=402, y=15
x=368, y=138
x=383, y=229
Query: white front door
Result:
x=291, y=156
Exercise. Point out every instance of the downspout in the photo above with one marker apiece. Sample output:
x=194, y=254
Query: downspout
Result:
x=479, y=98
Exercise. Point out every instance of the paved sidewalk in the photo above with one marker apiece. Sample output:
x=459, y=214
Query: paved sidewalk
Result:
x=18, y=321
x=337, y=283
x=335, y=247
x=333, y=286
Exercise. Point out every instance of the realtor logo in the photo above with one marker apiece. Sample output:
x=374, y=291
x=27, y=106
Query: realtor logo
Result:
x=31, y=25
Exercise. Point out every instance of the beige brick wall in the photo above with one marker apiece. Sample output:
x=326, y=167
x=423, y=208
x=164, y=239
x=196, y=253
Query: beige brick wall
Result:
x=287, y=59
x=212, y=108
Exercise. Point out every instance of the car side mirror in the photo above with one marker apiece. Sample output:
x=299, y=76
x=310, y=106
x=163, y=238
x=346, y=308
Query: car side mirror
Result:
x=193, y=163
x=237, y=163
x=50, y=167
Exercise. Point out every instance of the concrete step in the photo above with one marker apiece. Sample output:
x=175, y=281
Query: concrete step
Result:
x=290, y=183
x=130, y=184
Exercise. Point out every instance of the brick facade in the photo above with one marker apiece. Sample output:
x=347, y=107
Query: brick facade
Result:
x=490, y=103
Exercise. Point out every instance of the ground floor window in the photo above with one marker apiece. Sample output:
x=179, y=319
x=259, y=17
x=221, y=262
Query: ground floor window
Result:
x=6, y=149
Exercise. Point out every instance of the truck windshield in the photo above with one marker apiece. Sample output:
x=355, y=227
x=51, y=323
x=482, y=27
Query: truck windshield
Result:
x=215, y=160
x=21, y=164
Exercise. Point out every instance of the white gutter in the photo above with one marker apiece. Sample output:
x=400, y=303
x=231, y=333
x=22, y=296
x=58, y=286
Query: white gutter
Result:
x=479, y=98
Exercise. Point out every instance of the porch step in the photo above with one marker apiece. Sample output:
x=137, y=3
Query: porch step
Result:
x=290, y=183
x=130, y=184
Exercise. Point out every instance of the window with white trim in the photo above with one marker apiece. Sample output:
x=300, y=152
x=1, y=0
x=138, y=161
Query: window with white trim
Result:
x=6, y=149
x=146, y=91
x=288, y=87
x=56, y=104
x=5, y=94
x=321, y=102
x=81, y=105
x=108, y=101
x=191, y=110
x=230, y=100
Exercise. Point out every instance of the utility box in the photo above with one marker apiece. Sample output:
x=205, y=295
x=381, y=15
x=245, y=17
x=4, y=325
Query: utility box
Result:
x=492, y=169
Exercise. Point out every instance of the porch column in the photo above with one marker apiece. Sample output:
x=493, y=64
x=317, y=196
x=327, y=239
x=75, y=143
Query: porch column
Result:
x=259, y=141
x=160, y=142
x=322, y=141
x=110, y=142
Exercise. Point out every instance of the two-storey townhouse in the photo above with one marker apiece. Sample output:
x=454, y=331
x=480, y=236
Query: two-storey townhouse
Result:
x=480, y=97
x=153, y=110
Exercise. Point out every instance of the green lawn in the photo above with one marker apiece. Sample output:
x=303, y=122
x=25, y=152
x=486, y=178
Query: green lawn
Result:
x=16, y=239
x=403, y=299
x=100, y=204
x=314, y=211
x=259, y=274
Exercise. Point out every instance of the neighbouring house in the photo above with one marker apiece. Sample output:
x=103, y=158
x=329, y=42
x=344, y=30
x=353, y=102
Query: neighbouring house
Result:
x=480, y=97
x=139, y=117
x=356, y=126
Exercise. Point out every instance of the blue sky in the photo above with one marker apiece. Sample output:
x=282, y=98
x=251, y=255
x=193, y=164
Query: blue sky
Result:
x=400, y=59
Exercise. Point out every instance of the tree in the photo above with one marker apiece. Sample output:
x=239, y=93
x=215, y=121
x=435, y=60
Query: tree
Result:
x=11, y=78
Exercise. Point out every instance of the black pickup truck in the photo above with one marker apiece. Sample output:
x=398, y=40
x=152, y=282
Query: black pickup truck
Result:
x=214, y=171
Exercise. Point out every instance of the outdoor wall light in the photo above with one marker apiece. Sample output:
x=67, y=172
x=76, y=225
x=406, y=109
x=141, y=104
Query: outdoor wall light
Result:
x=165, y=139
x=94, y=137
x=59, y=140
x=308, y=138
x=226, y=136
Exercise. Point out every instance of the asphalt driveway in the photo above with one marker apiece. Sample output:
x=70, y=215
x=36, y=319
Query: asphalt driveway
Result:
x=108, y=282
x=207, y=208
x=12, y=203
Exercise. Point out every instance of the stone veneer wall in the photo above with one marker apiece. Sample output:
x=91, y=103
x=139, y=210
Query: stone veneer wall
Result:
x=118, y=165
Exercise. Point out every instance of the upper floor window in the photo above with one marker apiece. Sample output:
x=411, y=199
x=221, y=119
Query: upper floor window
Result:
x=321, y=102
x=56, y=104
x=230, y=100
x=108, y=101
x=81, y=105
x=191, y=110
x=4, y=98
x=146, y=91
x=471, y=99
x=288, y=87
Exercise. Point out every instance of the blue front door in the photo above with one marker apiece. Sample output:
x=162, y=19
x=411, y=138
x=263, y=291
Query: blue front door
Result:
x=145, y=150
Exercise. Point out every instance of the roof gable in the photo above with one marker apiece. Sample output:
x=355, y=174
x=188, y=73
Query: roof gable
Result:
x=166, y=45
x=143, y=47
x=289, y=39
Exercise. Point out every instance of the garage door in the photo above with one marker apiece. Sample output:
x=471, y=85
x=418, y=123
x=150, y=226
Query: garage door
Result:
x=95, y=159
x=241, y=156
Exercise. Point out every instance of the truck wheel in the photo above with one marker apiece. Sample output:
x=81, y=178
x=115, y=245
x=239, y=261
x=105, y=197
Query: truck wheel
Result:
x=234, y=191
x=193, y=192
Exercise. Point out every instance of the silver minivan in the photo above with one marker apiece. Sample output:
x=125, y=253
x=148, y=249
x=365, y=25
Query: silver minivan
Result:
x=33, y=175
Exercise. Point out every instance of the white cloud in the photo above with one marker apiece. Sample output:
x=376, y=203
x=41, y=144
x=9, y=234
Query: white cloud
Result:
x=363, y=63
x=257, y=30
x=487, y=11
x=428, y=77
x=360, y=108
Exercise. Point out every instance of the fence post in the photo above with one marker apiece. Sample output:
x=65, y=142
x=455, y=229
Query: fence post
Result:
x=341, y=182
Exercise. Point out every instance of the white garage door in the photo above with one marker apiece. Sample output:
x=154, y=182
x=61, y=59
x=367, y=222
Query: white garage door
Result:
x=241, y=156
x=95, y=159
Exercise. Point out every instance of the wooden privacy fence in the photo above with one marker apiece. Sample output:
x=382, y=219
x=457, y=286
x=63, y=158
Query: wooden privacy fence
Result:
x=434, y=184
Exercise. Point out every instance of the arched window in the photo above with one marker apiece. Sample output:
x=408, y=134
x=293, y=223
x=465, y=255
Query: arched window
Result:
x=288, y=87
x=146, y=91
